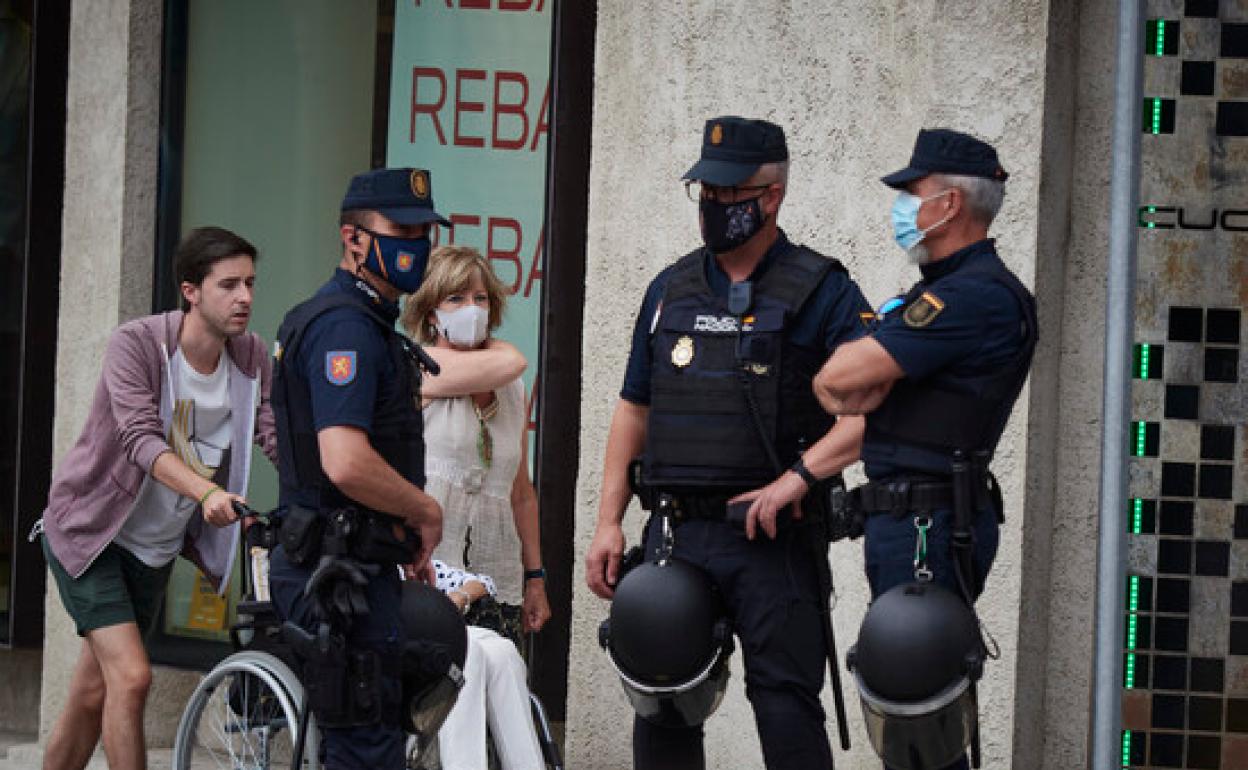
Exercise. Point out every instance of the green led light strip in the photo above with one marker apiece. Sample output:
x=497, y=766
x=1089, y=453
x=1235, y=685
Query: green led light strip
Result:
x=1141, y=431
x=1156, y=115
x=1160, y=46
x=1152, y=210
x=1144, y=351
x=1126, y=748
x=1133, y=605
x=1137, y=515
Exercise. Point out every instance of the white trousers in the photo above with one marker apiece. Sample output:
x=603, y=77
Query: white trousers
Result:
x=494, y=691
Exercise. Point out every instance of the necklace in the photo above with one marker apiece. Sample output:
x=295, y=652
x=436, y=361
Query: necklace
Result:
x=485, y=442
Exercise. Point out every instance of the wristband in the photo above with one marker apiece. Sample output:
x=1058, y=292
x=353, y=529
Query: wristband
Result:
x=535, y=574
x=800, y=469
x=208, y=494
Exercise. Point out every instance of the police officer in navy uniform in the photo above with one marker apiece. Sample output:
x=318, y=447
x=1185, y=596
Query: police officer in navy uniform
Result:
x=939, y=373
x=717, y=403
x=346, y=398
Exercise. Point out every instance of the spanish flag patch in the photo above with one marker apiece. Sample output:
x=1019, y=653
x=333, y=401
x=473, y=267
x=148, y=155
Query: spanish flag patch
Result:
x=923, y=310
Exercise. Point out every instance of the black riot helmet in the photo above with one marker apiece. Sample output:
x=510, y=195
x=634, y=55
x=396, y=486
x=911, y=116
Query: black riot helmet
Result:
x=918, y=656
x=434, y=650
x=669, y=640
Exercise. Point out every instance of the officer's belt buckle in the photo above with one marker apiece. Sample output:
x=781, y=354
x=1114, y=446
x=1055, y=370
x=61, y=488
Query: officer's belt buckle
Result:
x=899, y=497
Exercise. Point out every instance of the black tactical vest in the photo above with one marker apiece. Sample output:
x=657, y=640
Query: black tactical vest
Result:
x=921, y=424
x=398, y=428
x=701, y=432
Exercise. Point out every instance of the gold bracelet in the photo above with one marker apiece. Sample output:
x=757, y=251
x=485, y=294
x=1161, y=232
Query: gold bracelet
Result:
x=208, y=494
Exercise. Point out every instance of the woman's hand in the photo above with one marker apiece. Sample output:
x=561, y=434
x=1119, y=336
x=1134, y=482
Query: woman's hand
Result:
x=536, y=608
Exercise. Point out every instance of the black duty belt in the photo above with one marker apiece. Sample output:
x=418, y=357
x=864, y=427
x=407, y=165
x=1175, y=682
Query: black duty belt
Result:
x=899, y=496
x=712, y=507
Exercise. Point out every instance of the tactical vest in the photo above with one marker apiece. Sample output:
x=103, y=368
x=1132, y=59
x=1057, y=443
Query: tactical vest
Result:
x=397, y=431
x=921, y=424
x=709, y=365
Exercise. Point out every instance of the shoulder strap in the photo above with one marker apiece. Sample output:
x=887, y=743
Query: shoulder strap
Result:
x=797, y=273
x=687, y=277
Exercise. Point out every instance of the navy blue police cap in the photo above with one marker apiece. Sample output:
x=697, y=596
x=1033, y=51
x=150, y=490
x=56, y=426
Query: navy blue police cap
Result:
x=733, y=148
x=402, y=195
x=944, y=151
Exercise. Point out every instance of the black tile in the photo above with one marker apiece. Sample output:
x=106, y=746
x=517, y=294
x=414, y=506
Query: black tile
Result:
x=1174, y=557
x=1143, y=632
x=1151, y=367
x=1168, y=711
x=1237, y=715
x=1139, y=748
x=1217, y=442
x=1170, y=634
x=1147, y=512
x=1142, y=667
x=1232, y=119
x=1241, y=522
x=1145, y=595
x=1176, y=517
x=1169, y=673
x=1213, y=558
x=1186, y=324
x=1197, y=78
x=1215, y=481
x=1221, y=326
x=1222, y=364
x=1204, y=714
x=1158, y=115
x=1161, y=37
x=1207, y=674
x=1239, y=637
x=1204, y=752
x=1174, y=595
x=1178, y=479
x=1239, y=599
x=1165, y=750
x=1206, y=9
x=1234, y=40
x=1182, y=402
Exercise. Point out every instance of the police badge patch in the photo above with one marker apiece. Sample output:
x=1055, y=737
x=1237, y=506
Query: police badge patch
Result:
x=340, y=366
x=923, y=310
x=682, y=352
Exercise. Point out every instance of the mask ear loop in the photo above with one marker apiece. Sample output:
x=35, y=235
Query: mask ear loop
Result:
x=948, y=217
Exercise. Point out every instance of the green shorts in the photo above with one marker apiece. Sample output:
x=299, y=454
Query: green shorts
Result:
x=116, y=588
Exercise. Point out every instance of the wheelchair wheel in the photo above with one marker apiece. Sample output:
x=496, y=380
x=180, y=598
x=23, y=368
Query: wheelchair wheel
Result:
x=244, y=715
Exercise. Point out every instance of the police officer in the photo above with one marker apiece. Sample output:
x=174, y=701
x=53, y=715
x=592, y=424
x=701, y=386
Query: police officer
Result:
x=717, y=402
x=346, y=399
x=938, y=375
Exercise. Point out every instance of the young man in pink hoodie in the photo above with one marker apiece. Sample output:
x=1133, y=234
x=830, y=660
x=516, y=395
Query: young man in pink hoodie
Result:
x=163, y=457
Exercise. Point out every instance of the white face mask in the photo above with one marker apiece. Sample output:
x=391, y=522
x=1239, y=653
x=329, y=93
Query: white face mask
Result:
x=466, y=327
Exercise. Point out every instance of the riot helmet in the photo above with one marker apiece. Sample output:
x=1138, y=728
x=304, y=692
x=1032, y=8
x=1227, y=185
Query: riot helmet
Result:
x=435, y=647
x=918, y=657
x=669, y=639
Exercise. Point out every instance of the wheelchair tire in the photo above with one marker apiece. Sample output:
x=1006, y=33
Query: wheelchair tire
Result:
x=244, y=715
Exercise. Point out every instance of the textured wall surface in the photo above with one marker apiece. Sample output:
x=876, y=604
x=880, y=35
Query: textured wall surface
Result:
x=106, y=263
x=851, y=83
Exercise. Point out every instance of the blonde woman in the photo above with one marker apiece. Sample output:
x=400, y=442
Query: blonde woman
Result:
x=475, y=438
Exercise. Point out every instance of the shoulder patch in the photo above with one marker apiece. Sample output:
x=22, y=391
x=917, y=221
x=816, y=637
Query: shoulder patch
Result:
x=923, y=310
x=340, y=366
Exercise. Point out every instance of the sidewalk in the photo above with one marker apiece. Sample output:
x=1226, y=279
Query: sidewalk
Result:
x=28, y=755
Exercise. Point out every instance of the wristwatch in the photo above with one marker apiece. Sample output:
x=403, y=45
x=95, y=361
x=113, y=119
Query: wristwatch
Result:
x=535, y=574
x=800, y=469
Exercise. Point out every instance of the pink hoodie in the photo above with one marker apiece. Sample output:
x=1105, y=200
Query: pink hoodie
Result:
x=95, y=484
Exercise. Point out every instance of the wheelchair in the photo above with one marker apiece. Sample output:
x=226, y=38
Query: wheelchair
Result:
x=248, y=711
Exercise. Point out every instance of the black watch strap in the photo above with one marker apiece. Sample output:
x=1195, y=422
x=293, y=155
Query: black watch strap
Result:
x=800, y=469
x=535, y=574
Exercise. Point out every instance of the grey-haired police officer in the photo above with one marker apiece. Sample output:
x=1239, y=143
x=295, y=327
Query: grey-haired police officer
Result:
x=346, y=399
x=717, y=402
x=939, y=374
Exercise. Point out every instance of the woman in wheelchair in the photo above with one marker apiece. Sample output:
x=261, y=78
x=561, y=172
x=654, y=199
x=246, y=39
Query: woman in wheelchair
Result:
x=494, y=692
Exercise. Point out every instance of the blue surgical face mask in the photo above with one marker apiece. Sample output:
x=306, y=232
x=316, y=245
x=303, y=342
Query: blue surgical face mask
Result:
x=905, y=216
x=400, y=262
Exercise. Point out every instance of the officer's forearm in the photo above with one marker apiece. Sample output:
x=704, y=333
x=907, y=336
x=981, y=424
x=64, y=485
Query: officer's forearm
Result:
x=624, y=442
x=853, y=368
x=354, y=467
x=839, y=448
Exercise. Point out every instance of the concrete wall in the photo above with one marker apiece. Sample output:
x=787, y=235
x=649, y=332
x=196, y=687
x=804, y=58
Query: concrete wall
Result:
x=109, y=230
x=851, y=83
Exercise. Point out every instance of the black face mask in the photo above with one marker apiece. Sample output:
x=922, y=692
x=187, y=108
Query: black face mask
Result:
x=725, y=226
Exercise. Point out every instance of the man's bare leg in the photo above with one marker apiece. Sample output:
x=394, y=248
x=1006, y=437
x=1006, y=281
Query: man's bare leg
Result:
x=127, y=678
x=77, y=730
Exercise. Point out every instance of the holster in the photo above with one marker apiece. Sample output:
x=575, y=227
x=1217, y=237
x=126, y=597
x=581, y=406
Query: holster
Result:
x=343, y=685
x=300, y=535
x=841, y=519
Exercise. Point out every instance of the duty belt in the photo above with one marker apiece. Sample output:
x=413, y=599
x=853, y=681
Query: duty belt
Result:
x=900, y=496
x=712, y=507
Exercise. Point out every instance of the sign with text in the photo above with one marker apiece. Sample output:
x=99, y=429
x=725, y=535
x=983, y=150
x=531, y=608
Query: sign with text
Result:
x=470, y=101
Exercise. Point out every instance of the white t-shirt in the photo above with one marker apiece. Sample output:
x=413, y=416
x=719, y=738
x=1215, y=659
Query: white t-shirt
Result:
x=199, y=435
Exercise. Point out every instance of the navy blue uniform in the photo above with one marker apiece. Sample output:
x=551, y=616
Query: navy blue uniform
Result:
x=350, y=374
x=770, y=587
x=965, y=330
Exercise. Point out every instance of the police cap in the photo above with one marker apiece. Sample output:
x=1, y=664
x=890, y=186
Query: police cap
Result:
x=944, y=151
x=733, y=148
x=402, y=195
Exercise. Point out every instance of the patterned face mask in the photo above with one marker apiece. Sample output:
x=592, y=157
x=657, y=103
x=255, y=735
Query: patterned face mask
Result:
x=725, y=226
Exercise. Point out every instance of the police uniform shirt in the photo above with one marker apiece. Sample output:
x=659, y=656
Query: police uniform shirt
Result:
x=832, y=315
x=965, y=323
